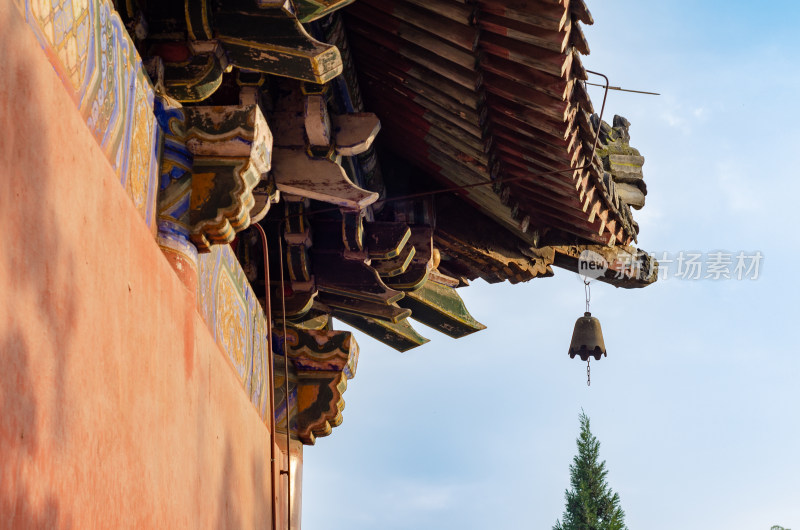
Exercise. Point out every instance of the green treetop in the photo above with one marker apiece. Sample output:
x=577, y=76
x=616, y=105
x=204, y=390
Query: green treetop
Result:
x=590, y=503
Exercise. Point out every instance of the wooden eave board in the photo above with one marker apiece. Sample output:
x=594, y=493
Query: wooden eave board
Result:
x=518, y=104
x=457, y=11
x=415, y=35
x=402, y=99
x=556, y=41
x=551, y=85
x=542, y=14
x=447, y=29
x=372, y=56
x=418, y=55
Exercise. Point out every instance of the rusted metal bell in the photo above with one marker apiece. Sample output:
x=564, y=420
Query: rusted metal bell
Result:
x=587, y=339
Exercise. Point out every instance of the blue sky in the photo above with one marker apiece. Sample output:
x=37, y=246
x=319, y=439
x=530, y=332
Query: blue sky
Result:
x=696, y=406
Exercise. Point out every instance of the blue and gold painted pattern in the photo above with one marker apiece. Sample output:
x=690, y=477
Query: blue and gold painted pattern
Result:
x=235, y=317
x=92, y=53
x=175, y=181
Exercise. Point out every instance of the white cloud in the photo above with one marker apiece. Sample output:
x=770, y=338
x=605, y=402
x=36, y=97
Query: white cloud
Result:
x=679, y=116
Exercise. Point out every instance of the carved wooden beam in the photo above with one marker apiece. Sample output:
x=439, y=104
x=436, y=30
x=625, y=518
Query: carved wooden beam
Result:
x=273, y=41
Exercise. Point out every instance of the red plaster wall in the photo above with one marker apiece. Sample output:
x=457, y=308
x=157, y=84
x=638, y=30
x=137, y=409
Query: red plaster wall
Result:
x=117, y=409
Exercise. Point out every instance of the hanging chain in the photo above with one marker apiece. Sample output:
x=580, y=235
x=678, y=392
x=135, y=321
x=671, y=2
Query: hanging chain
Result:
x=588, y=374
x=588, y=290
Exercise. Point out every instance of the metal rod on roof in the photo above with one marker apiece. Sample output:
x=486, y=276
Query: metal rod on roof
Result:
x=625, y=89
x=602, y=109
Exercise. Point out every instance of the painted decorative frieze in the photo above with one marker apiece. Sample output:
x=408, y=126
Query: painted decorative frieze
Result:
x=235, y=317
x=96, y=59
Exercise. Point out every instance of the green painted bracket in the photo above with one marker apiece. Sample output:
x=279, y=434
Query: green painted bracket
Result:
x=399, y=336
x=441, y=308
x=195, y=80
x=310, y=10
x=274, y=42
x=232, y=151
x=391, y=312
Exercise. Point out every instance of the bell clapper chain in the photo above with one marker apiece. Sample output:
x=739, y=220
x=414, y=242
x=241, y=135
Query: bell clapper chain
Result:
x=588, y=289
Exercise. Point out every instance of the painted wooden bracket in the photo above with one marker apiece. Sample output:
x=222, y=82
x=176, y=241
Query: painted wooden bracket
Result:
x=300, y=291
x=351, y=278
x=348, y=134
x=322, y=361
x=345, y=304
x=310, y=10
x=397, y=265
x=265, y=194
x=232, y=151
x=318, y=318
x=191, y=71
x=198, y=19
x=441, y=308
x=385, y=240
x=354, y=133
x=297, y=303
x=298, y=173
x=306, y=161
x=399, y=336
x=195, y=81
x=421, y=264
x=317, y=120
x=344, y=236
x=273, y=41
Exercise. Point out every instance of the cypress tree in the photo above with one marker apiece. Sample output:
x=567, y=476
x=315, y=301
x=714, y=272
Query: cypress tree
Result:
x=590, y=503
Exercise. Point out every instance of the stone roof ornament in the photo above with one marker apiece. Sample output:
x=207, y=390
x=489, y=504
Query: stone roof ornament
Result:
x=622, y=163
